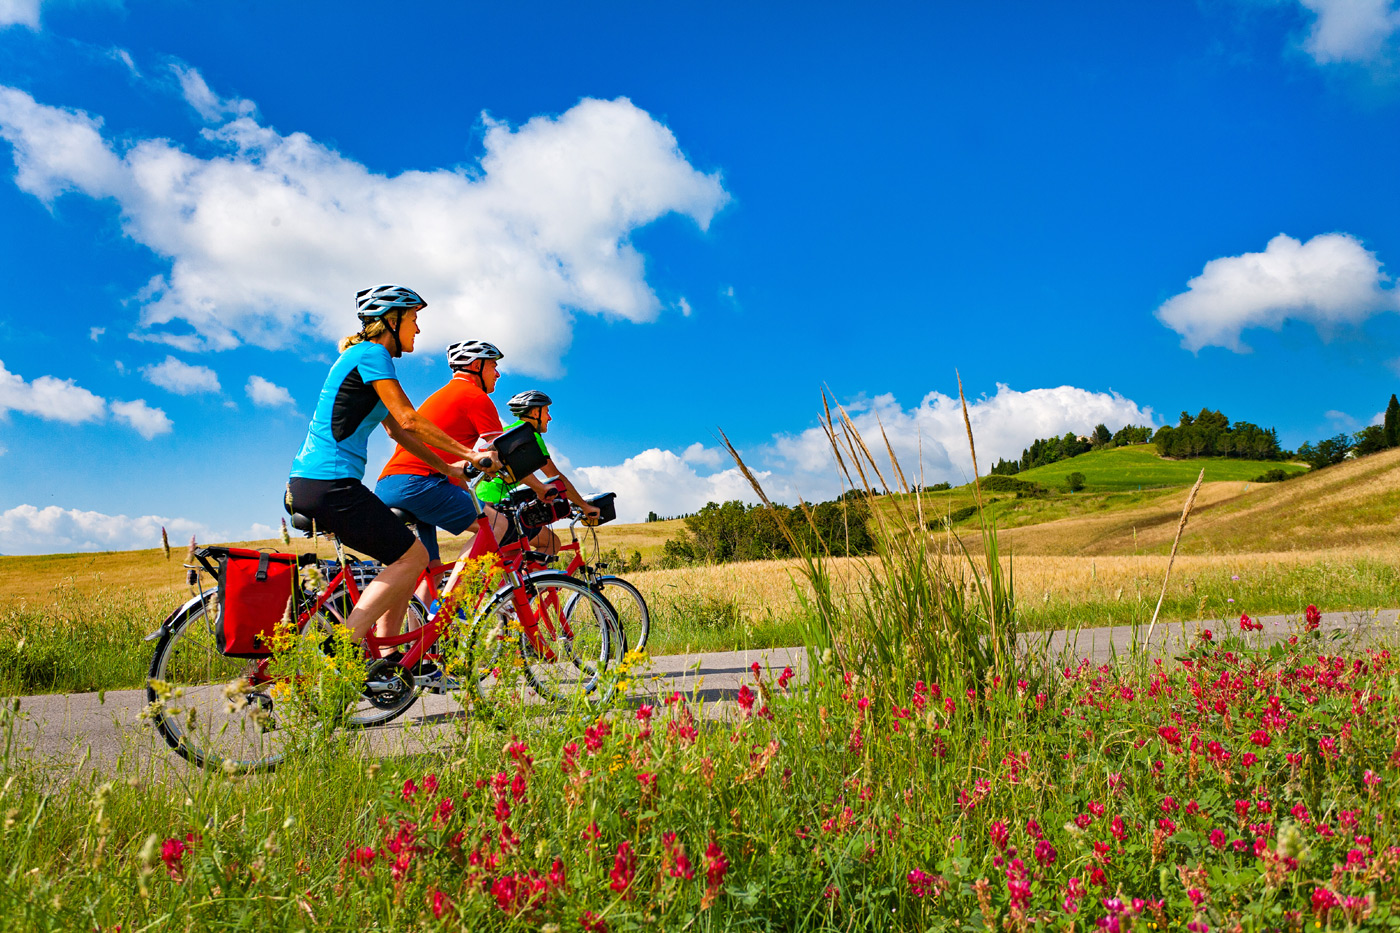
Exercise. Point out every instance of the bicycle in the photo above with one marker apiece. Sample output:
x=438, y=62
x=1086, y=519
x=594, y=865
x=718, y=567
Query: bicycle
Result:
x=215, y=710
x=632, y=612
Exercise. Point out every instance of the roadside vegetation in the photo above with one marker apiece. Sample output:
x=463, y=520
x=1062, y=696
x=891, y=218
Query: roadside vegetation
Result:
x=923, y=775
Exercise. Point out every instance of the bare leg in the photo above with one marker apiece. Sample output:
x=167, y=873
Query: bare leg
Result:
x=546, y=541
x=388, y=594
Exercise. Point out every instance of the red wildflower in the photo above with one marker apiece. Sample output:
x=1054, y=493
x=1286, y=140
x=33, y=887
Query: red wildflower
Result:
x=1311, y=619
x=440, y=903
x=172, y=853
x=1261, y=738
x=716, y=865
x=1045, y=853
x=920, y=882
x=746, y=698
x=1206, y=635
x=624, y=869
x=592, y=923
x=784, y=677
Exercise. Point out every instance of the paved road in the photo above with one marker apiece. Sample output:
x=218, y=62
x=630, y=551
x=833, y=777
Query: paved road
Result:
x=70, y=732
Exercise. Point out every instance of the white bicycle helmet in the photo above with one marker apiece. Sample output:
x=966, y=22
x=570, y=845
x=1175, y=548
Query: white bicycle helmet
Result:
x=522, y=402
x=460, y=355
x=371, y=303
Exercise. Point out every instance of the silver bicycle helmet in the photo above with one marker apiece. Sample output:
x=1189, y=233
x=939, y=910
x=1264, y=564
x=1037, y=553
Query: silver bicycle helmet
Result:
x=522, y=402
x=371, y=303
x=460, y=355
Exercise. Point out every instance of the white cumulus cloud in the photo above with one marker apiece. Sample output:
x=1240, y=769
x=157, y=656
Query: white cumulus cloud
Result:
x=267, y=394
x=278, y=231
x=1328, y=281
x=1003, y=425
x=49, y=398
x=1354, y=31
x=19, y=13
x=802, y=463
x=144, y=419
x=27, y=529
x=181, y=378
x=660, y=481
x=698, y=453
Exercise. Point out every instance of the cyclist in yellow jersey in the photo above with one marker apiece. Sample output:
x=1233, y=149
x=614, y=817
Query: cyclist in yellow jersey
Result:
x=532, y=408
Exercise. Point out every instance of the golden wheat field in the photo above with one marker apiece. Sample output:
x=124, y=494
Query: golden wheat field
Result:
x=1323, y=532
x=764, y=587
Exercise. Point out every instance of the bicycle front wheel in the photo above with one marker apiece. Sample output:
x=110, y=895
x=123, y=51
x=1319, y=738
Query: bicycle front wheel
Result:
x=559, y=634
x=213, y=710
x=633, y=617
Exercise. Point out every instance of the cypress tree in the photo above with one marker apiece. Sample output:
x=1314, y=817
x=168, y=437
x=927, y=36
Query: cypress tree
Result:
x=1392, y=422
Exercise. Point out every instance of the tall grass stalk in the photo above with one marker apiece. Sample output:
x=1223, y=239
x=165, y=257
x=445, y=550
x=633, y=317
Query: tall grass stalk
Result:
x=921, y=611
x=1176, y=542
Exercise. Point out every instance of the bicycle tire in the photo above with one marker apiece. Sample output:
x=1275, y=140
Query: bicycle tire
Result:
x=633, y=616
x=576, y=623
x=205, y=705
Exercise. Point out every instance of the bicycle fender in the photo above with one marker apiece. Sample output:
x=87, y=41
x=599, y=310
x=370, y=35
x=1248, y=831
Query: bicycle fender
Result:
x=165, y=625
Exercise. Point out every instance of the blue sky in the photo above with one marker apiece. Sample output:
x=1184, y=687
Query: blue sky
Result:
x=677, y=218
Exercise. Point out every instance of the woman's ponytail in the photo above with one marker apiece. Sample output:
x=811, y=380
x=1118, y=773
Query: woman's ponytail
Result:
x=372, y=329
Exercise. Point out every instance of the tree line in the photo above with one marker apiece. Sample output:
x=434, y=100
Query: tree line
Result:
x=1210, y=434
x=1043, y=451
x=1369, y=440
x=732, y=531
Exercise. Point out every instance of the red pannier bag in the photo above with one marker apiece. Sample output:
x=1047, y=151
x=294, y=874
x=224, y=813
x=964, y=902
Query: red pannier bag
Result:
x=254, y=590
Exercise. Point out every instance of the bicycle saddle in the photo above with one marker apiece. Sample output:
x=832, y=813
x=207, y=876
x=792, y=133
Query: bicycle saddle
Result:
x=405, y=516
x=302, y=523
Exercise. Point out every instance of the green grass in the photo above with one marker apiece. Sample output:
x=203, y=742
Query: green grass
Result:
x=1138, y=466
x=1216, y=598
x=872, y=802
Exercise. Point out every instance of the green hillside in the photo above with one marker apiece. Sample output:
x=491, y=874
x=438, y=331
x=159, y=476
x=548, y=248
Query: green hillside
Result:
x=1122, y=480
x=1139, y=466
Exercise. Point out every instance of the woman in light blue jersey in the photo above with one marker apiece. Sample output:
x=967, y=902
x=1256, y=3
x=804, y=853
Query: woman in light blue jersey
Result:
x=361, y=391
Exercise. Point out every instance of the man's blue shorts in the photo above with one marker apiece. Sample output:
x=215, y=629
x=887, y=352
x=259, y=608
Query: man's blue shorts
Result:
x=433, y=500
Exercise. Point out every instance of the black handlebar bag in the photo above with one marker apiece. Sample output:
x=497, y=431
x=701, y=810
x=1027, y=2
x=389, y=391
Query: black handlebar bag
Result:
x=255, y=590
x=519, y=450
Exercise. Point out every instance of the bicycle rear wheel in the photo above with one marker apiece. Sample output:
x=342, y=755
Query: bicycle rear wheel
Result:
x=214, y=711
x=575, y=634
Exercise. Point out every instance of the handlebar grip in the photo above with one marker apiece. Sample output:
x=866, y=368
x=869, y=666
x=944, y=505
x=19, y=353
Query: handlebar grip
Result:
x=469, y=471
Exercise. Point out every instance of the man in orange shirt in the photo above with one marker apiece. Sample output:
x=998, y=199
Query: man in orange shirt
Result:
x=463, y=409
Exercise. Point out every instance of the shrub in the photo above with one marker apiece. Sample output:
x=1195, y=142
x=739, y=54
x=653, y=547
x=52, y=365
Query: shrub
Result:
x=998, y=483
x=1272, y=476
x=952, y=518
x=1075, y=481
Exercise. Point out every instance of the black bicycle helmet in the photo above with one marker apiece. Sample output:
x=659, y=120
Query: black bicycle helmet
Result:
x=522, y=402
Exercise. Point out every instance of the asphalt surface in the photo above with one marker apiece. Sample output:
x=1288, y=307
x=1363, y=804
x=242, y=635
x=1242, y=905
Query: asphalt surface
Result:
x=68, y=733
